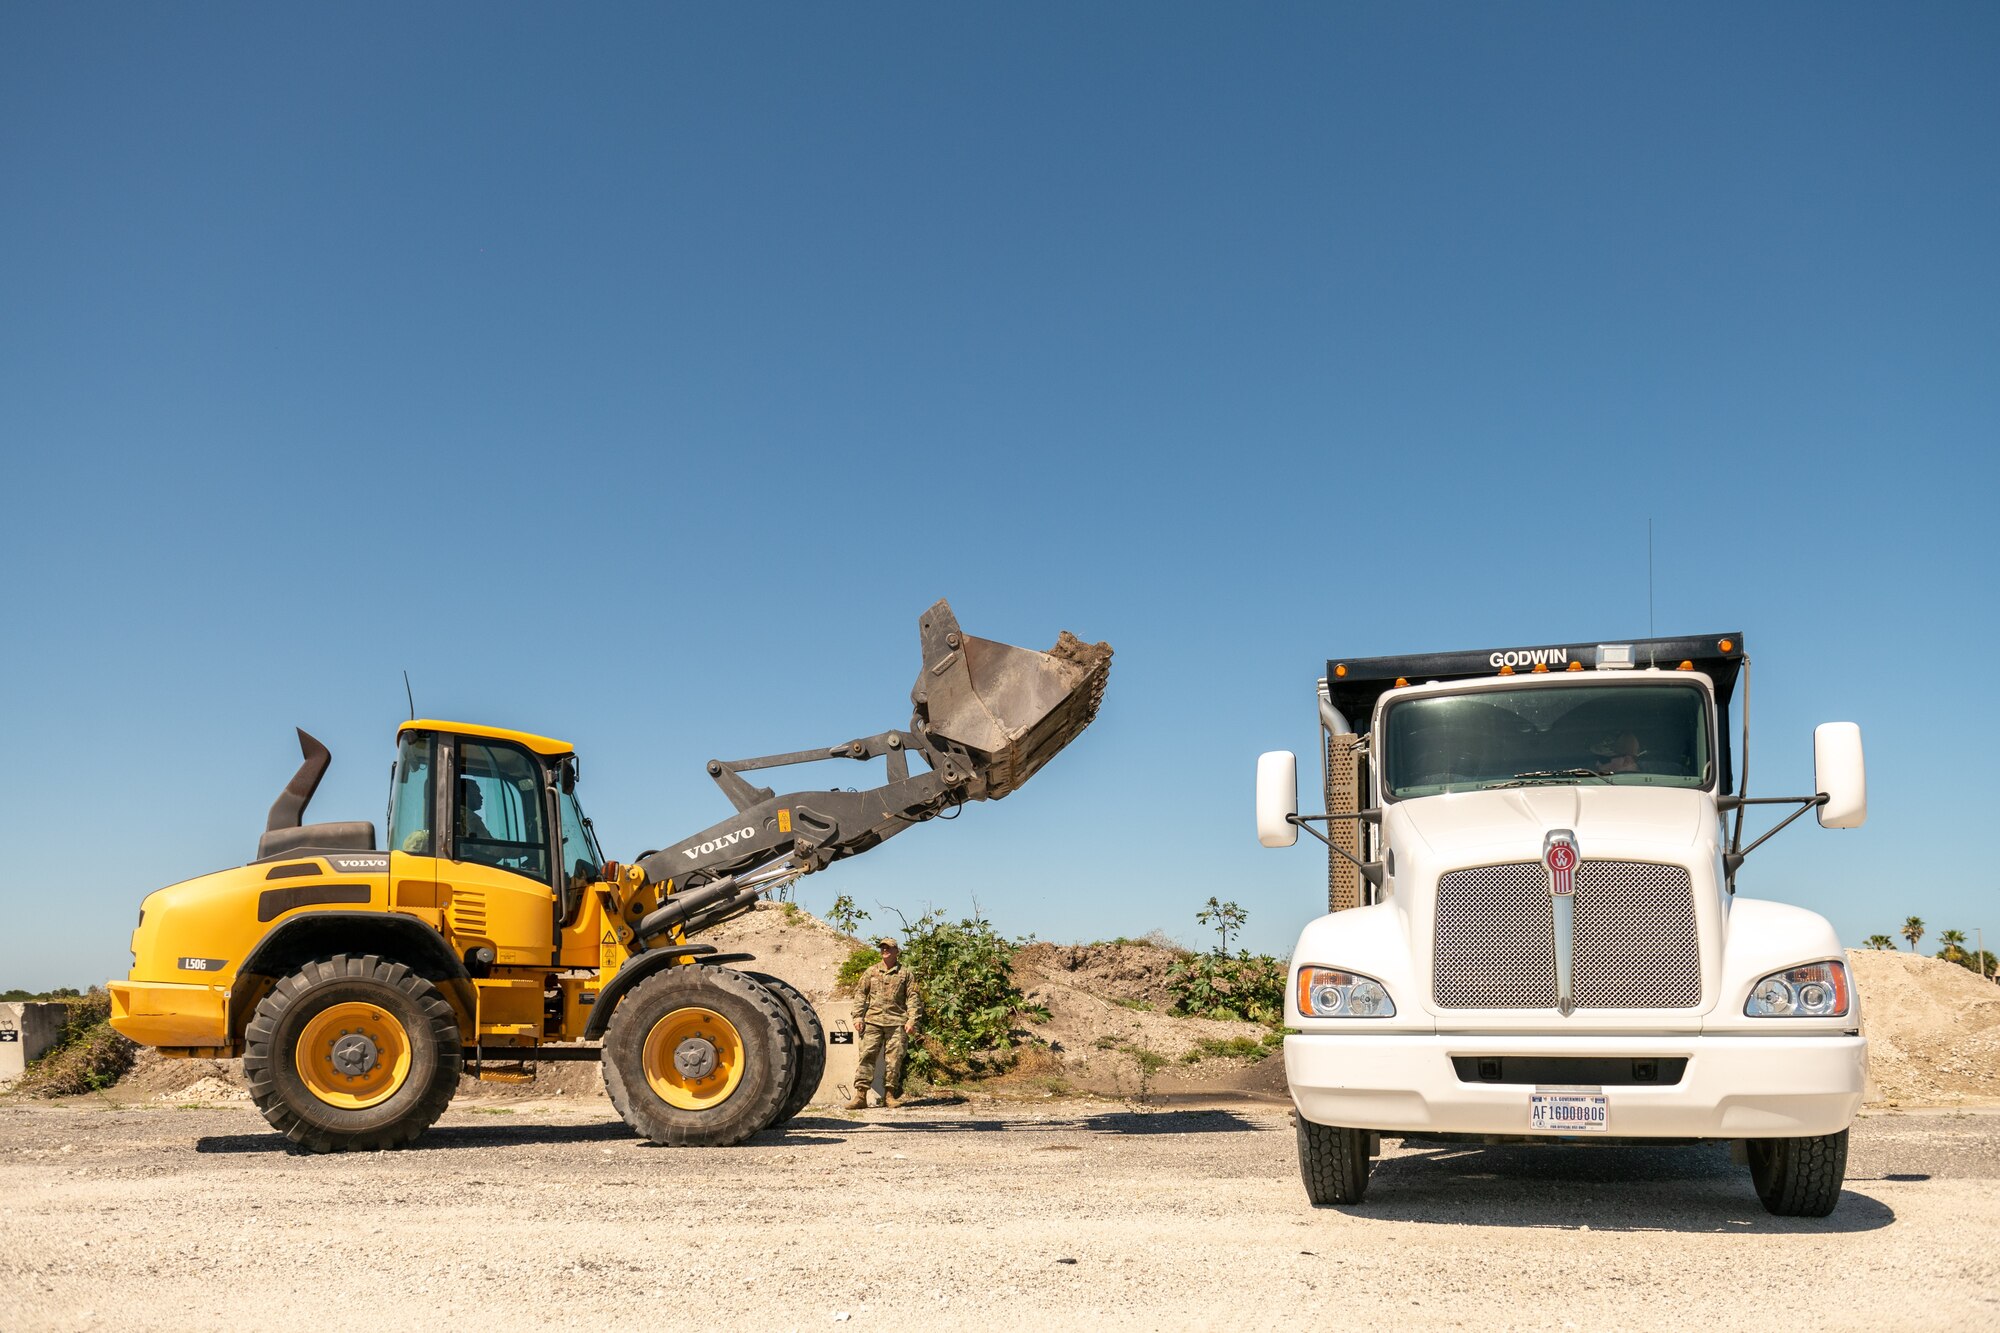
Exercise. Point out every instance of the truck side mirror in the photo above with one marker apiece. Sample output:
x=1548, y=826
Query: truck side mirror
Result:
x=1840, y=775
x=1277, y=798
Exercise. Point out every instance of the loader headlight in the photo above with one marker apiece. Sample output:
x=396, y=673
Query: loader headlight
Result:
x=1817, y=990
x=1326, y=993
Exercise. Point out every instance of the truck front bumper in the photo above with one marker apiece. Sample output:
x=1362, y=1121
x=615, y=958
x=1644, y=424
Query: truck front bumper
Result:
x=1733, y=1087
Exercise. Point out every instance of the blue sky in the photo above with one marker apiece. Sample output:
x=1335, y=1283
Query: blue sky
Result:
x=636, y=374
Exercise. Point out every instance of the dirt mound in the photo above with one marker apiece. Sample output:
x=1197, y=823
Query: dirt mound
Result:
x=1130, y=971
x=1109, y=1032
x=1933, y=1029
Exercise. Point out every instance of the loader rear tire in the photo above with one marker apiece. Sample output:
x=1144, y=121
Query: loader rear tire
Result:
x=699, y=1057
x=810, y=1035
x=352, y=1052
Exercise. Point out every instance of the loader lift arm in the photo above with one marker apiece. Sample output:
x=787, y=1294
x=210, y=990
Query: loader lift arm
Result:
x=985, y=717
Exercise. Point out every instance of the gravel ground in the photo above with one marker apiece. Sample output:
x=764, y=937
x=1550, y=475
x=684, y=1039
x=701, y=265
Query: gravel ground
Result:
x=986, y=1215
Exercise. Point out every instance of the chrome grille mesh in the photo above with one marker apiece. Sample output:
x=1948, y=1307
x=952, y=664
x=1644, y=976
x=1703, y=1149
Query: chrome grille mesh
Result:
x=1636, y=942
x=1495, y=946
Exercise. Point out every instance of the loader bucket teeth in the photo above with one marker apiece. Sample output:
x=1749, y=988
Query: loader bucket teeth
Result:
x=1011, y=709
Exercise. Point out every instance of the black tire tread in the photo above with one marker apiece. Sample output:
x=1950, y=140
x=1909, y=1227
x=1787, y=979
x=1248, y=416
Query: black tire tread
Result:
x=811, y=1035
x=750, y=1108
x=1799, y=1177
x=261, y=1054
x=1333, y=1163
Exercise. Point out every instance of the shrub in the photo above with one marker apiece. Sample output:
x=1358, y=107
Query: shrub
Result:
x=857, y=962
x=1247, y=986
x=965, y=972
x=1228, y=1048
x=88, y=1055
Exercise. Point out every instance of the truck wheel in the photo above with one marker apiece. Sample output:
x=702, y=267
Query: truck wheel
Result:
x=699, y=1057
x=352, y=1053
x=810, y=1036
x=1799, y=1177
x=1333, y=1162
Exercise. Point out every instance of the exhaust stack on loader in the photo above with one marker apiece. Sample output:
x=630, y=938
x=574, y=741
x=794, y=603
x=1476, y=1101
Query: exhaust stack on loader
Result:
x=356, y=983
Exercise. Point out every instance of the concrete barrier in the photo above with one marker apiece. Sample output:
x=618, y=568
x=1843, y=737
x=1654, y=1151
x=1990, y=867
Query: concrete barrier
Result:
x=27, y=1030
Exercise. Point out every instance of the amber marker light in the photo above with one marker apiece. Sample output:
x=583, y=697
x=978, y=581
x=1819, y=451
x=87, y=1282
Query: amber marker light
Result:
x=1576, y=666
x=1401, y=681
x=1506, y=671
x=1687, y=666
x=1340, y=670
x=1727, y=645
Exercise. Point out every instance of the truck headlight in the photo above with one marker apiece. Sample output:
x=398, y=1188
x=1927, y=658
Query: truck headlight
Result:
x=1817, y=990
x=1326, y=993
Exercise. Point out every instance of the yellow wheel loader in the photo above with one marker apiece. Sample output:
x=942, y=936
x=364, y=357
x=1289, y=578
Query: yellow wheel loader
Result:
x=358, y=982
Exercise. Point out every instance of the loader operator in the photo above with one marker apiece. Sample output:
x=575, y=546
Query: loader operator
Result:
x=887, y=1009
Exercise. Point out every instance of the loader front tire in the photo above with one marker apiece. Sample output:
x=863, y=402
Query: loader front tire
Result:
x=352, y=1052
x=699, y=1057
x=810, y=1036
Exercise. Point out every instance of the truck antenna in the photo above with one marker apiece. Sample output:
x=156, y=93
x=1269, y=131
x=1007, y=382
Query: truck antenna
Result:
x=408, y=695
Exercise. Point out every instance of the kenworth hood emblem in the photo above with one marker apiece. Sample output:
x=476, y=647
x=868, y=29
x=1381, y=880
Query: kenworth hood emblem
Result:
x=1559, y=854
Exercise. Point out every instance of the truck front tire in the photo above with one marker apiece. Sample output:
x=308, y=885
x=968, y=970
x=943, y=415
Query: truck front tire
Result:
x=699, y=1057
x=1799, y=1177
x=352, y=1052
x=1333, y=1162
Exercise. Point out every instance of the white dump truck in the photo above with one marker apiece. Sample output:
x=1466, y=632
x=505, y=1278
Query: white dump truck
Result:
x=1535, y=932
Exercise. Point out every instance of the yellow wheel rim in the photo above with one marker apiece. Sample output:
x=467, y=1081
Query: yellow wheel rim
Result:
x=353, y=1055
x=694, y=1059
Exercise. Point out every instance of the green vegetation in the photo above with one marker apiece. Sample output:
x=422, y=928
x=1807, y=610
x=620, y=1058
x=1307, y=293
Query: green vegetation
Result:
x=1150, y=1061
x=87, y=1057
x=1222, y=918
x=1143, y=1006
x=851, y=969
x=1250, y=987
x=59, y=993
x=965, y=970
x=845, y=916
x=1229, y=1048
x=1913, y=930
x=1878, y=942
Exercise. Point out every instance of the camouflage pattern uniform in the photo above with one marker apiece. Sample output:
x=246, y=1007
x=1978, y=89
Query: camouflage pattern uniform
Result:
x=886, y=1006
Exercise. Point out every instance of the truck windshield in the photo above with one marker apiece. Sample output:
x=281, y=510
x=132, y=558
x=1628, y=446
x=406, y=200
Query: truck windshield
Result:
x=1650, y=735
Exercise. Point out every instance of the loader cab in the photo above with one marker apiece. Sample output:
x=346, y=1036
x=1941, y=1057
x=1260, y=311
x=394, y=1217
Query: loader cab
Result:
x=502, y=800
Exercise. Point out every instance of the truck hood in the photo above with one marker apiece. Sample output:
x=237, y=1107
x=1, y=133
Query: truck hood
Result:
x=1509, y=824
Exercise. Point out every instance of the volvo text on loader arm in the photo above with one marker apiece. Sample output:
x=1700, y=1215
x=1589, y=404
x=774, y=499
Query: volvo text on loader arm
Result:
x=357, y=982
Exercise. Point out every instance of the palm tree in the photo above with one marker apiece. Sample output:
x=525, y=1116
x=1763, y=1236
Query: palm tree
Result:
x=1954, y=945
x=1913, y=930
x=1878, y=942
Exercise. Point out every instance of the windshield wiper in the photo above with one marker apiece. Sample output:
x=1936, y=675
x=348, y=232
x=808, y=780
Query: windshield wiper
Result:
x=1549, y=774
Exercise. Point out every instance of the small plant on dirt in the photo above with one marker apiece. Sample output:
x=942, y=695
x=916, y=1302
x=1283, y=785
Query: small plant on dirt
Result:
x=1227, y=1048
x=1248, y=986
x=88, y=1056
x=1150, y=1062
x=791, y=912
x=845, y=916
x=1106, y=1042
x=1143, y=1006
x=1222, y=918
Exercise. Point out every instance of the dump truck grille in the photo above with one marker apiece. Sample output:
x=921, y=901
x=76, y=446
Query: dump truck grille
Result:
x=1636, y=942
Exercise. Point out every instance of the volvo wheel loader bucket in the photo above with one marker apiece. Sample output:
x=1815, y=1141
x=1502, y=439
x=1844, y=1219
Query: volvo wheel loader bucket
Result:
x=1010, y=708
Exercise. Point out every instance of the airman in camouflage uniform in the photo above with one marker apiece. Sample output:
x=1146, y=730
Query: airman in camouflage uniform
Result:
x=887, y=1009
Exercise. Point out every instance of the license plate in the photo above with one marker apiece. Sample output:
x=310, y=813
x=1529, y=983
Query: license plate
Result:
x=1570, y=1112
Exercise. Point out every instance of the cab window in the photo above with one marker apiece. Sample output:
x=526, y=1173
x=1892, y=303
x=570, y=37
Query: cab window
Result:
x=499, y=815
x=410, y=794
x=582, y=860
